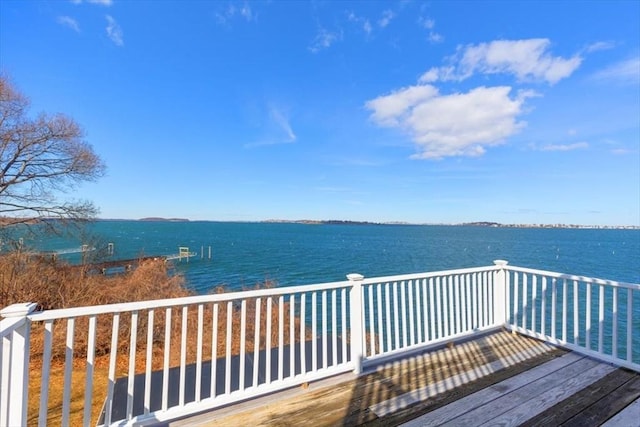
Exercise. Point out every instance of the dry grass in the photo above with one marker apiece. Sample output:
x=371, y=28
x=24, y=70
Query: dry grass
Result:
x=53, y=285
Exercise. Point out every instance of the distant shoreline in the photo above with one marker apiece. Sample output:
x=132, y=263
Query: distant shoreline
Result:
x=464, y=224
x=348, y=222
x=8, y=222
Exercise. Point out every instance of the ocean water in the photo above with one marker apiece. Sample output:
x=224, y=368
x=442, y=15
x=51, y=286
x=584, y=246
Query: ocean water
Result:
x=246, y=254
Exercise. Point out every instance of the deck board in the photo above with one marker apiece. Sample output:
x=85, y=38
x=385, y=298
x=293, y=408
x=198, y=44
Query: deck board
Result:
x=521, y=398
x=420, y=390
x=627, y=417
x=577, y=403
x=608, y=406
x=464, y=405
x=566, y=386
x=399, y=402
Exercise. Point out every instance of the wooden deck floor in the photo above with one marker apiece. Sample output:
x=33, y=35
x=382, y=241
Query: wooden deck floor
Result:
x=498, y=379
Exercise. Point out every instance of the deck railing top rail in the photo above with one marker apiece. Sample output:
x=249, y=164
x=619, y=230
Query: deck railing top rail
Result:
x=65, y=313
x=427, y=275
x=585, y=279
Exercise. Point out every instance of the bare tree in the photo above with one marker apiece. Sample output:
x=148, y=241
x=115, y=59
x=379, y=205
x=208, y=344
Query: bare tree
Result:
x=41, y=160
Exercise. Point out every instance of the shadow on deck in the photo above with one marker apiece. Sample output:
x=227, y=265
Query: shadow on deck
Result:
x=501, y=378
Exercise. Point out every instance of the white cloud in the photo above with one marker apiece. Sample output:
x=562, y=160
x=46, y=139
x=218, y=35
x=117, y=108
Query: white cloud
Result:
x=390, y=110
x=114, y=31
x=364, y=22
x=627, y=71
x=526, y=59
x=594, y=47
x=434, y=37
x=427, y=23
x=460, y=124
x=246, y=12
x=231, y=11
x=387, y=16
x=621, y=151
x=98, y=2
x=69, y=22
x=282, y=121
x=278, y=129
x=565, y=147
x=324, y=39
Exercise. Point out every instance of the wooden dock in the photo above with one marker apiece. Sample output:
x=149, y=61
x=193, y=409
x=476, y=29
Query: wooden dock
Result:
x=498, y=379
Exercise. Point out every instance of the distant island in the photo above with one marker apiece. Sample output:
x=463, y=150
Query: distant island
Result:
x=158, y=219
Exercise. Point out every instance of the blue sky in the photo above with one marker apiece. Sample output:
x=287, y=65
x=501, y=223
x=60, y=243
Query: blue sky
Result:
x=425, y=112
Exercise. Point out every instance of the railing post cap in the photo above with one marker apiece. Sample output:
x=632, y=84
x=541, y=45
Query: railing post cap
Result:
x=500, y=262
x=18, y=310
x=354, y=277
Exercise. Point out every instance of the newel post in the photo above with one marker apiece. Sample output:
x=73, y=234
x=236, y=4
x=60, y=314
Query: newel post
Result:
x=14, y=387
x=355, y=297
x=500, y=293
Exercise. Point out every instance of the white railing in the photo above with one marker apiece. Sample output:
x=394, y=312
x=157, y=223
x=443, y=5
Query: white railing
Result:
x=597, y=317
x=158, y=360
x=408, y=312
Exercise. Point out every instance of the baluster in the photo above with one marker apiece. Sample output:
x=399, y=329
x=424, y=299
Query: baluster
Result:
x=534, y=301
x=68, y=368
x=412, y=335
x=227, y=360
x=133, y=339
x=442, y=317
x=600, y=318
x=587, y=337
x=396, y=321
x=243, y=343
x=46, y=372
x=112, y=367
x=256, y=341
x=403, y=302
x=324, y=329
x=576, y=324
x=343, y=298
x=372, y=341
x=91, y=360
x=629, y=325
x=292, y=335
x=303, y=361
x=267, y=348
x=419, y=309
x=467, y=318
x=334, y=328
x=554, y=306
x=457, y=304
x=199, y=353
x=543, y=307
x=452, y=312
x=183, y=354
x=614, y=335
x=314, y=331
x=214, y=350
x=432, y=311
x=148, y=363
x=525, y=300
x=380, y=319
x=280, y=337
x=387, y=304
x=564, y=310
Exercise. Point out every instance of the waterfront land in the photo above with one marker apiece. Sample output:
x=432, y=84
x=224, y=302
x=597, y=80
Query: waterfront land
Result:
x=464, y=224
